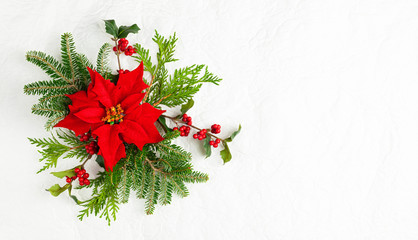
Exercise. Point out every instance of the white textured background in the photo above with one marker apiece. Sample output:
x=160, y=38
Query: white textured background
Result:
x=326, y=91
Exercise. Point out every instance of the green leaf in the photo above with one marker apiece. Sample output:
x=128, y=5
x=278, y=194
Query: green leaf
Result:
x=206, y=146
x=226, y=154
x=100, y=161
x=111, y=27
x=187, y=106
x=125, y=30
x=233, y=135
x=57, y=190
x=62, y=174
x=161, y=120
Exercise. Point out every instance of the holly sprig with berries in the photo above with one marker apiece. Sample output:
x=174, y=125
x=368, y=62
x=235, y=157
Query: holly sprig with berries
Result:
x=117, y=118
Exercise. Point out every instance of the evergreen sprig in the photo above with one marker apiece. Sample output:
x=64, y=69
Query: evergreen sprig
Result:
x=178, y=88
x=158, y=171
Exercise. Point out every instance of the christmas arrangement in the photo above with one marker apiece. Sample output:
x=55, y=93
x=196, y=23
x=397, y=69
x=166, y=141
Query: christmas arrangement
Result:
x=118, y=119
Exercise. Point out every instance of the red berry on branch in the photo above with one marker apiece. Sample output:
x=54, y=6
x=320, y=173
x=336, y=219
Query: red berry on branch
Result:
x=74, y=177
x=76, y=170
x=175, y=129
x=82, y=171
x=200, y=137
x=115, y=49
x=211, y=143
x=195, y=136
x=68, y=180
x=86, y=182
x=182, y=134
x=217, y=140
x=86, y=175
x=81, y=183
x=120, y=71
x=215, y=145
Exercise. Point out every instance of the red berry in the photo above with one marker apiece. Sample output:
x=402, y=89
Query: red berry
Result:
x=86, y=175
x=115, y=49
x=200, y=137
x=175, y=129
x=81, y=183
x=68, y=180
x=86, y=182
x=211, y=143
x=185, y=116
x=215, y=145
x=82, y=171
x=76, y=170
x=120, y=71
x=195, y=136
x=74, y=177
x=182, y=134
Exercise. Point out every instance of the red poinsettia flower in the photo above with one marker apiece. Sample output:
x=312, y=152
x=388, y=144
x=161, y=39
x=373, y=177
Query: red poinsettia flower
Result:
x=114, y=114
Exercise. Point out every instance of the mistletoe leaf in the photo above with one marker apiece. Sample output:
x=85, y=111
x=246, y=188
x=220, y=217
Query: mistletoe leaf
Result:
x=57, y=190
x=207, y=147
x=111, y=27
x=186, y=107
x=233, y=135
x=66, y=173
x=125, y=30
x=226, y=154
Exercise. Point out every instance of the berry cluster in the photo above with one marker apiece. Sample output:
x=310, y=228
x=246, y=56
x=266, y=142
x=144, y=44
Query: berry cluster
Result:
x=123, y=71
x=81, y=175
x=200, y=135
x=123, y=47
x=92, y=148
x=84, y=137
x=214, y=143
x=187, y=119
x=216, y=128
x=184, y=130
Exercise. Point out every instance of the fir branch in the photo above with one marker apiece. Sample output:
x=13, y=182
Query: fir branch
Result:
x=68, y=54
x=103, y=59
x=50, y=65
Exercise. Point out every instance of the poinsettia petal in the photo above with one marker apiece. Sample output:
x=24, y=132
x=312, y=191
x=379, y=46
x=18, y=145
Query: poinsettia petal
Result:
x=80, y=100
x=140, y=134
x=102, y=88
x=131, y=83
x=74, y=123
x=146, y=113
x=111, y=147
x=131, y=102
x=91, y=115
x=138, y=126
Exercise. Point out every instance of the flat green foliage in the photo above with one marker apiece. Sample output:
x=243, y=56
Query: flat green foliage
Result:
x=154, y=174
x=66, y=77
x=179, y=87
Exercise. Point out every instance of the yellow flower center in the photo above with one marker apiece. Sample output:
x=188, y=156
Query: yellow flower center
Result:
x=113, y=115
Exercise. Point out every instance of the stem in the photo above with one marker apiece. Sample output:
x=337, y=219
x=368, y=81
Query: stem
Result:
x=117, y=52
x=88, y=158
x=178, y=120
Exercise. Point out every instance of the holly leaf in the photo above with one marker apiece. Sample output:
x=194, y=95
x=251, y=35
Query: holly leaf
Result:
x=100, y=161
x=62, y=174
x=226, y=154
x=161, y=120
x=125, y=30
x=74, y=197
x=185, y=107
x=207, y=147
x=57, y=190
x=111, y=27
x=233, y=135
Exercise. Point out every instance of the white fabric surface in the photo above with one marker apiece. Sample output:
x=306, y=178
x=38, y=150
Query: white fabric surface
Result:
x=326, y=91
